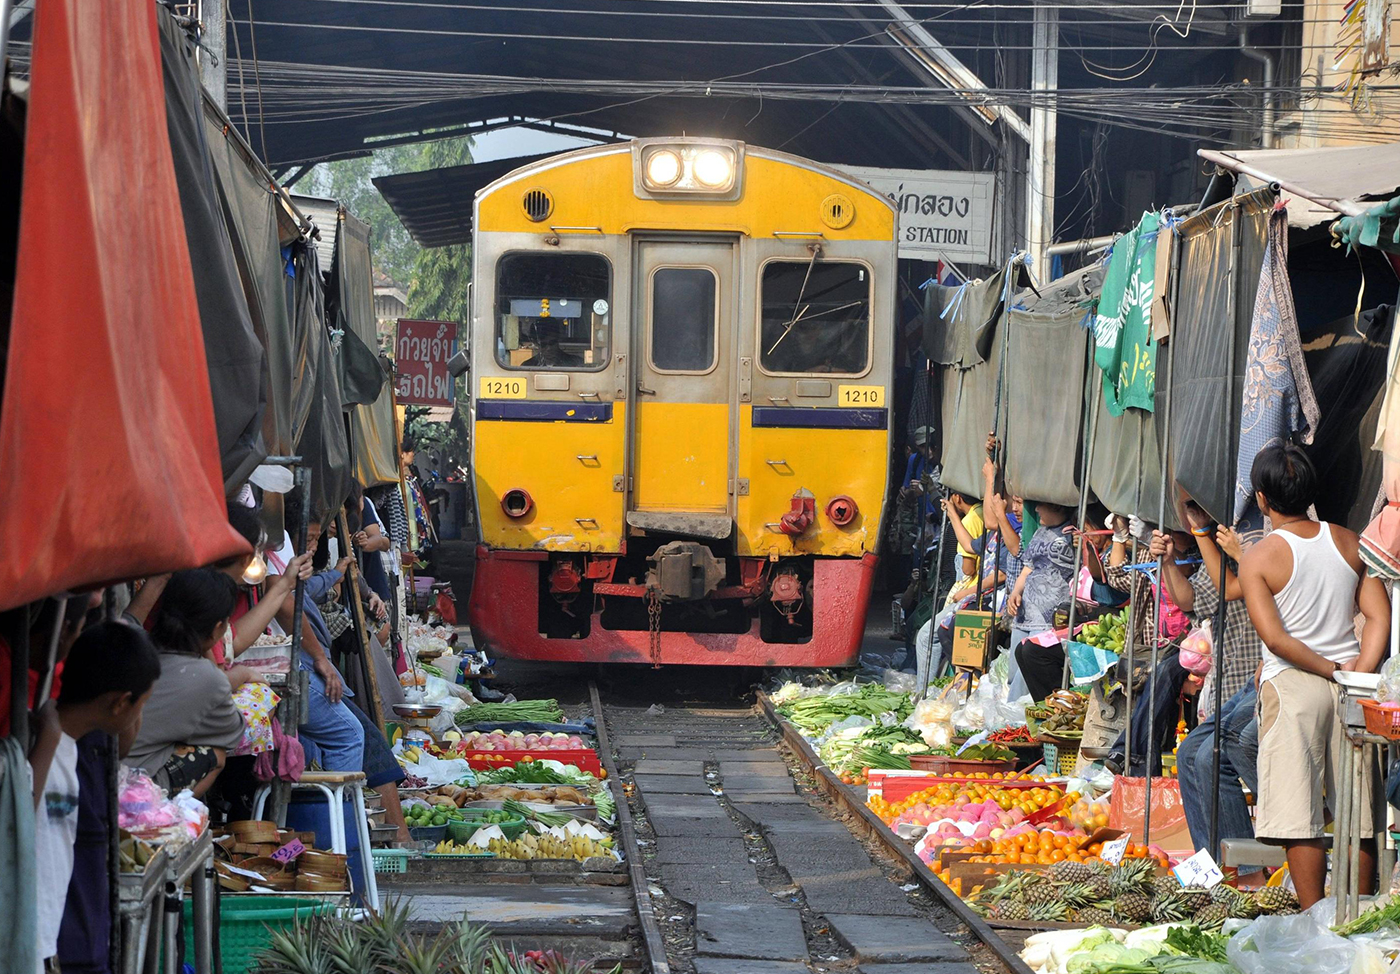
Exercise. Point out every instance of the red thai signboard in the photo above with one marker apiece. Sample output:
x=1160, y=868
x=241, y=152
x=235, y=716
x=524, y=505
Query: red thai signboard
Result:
x=421, y=352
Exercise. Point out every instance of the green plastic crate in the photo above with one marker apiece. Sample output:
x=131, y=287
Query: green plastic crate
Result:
x=244, y=922
x=390, y=860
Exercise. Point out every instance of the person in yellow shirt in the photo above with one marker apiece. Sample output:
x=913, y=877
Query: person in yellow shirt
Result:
x=965, y=516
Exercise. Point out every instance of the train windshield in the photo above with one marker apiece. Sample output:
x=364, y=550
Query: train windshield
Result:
x=553, y=311
x=816, y=317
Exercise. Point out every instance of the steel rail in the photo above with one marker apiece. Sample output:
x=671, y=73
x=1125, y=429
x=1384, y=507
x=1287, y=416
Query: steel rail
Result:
x=652, y=942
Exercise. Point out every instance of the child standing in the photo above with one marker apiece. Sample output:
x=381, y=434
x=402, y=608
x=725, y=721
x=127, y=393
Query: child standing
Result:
x=106, y=681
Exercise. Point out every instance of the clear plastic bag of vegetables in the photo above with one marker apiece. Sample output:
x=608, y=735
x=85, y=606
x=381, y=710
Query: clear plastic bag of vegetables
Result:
x=1298, y=944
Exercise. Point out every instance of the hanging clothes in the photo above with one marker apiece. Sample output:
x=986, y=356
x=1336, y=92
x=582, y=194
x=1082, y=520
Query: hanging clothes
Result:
x=19, y=919
x=1123, y=345
x=1277, y=403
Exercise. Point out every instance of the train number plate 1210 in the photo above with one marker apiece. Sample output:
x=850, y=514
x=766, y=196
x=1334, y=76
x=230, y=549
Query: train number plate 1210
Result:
x=498, y=387
x=873, y=396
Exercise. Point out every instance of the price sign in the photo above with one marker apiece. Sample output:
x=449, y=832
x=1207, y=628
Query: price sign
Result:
x=872, y=396
x=289, y=851
x=1199, y=870
x=422, y=350
x=1113, y=851
x=502, y=387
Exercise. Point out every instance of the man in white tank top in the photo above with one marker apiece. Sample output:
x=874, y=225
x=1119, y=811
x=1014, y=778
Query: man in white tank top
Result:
x=1303, y=585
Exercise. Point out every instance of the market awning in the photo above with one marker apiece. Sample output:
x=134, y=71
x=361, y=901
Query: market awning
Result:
x=1329, y=181
x=435, y=205
x=109, y=456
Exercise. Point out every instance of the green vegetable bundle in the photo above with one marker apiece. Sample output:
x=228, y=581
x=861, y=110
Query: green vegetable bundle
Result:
x=530, y=815
x=816, y=713
x=1372, y=920
x=539, y=711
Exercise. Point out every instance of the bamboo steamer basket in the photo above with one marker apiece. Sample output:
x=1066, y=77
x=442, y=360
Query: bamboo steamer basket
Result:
x=323, y=863
x=254, y=831
x=314, y=883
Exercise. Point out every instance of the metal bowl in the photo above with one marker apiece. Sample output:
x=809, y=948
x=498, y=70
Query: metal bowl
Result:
x=416, y=711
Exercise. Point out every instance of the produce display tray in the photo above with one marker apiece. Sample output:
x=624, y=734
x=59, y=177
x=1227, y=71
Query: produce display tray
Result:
x=585, y=759
x=895, y=786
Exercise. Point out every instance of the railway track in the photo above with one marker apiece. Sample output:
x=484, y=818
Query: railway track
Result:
x=741, y=856
x=744, y=859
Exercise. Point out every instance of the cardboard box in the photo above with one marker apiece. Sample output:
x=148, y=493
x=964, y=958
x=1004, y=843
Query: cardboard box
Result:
x=972, y=631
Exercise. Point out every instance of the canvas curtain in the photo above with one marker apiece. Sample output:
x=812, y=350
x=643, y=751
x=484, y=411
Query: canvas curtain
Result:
x=959, y=322
x=362, y=377
x=1042, y=391
x=236, y=360
x=1222, y=250
x=1123, y=345
x=250, y=211
x=322, y=444
x=109, y=454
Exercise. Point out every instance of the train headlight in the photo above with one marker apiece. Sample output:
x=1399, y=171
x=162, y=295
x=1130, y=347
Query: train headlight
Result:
x=517, y=503
x=713, y=169
x=673, y=168
x=663, y=169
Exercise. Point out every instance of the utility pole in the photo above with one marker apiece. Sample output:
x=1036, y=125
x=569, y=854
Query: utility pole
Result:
x=213, y=60
x=1040, y=175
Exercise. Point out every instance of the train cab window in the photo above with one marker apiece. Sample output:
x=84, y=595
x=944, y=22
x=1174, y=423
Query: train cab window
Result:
x=553, y=311
x=815, y=318
x=683, y=319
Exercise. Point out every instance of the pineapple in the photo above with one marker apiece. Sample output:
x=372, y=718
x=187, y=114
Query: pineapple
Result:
x=1243, y=908
x=1133, y=907
x=1288, y=911
x=1100, y=886
x=1078, y=895
x=1071, y=872
x=1223, y=895
x=1211, y=917
x=1165, y=885
x=295, y=950
x=1135, y=875
x=1043, y=893
x=1168, y=908
x=1010, y=910
x=1048, y=912
x=1093, y=916
x=1275, y=899
x=1194, y=897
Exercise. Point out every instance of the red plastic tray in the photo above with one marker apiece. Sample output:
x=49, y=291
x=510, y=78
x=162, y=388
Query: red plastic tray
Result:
x=585, y=759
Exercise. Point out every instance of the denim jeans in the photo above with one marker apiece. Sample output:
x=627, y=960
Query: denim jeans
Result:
x=332, y=736
x=1239, y=750
x=1169, y=677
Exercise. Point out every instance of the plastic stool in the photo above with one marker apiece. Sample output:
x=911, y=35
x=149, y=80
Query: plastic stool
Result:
x=333, y=785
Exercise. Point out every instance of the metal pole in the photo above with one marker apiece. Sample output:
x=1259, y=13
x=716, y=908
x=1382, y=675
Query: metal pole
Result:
x=1164, y=451
x=213, y=50
x=937, y=584
x=1231, y=427
x=1093, y=425
x=1131, y=641
x=1040, y=173
x=5, y=6
x=294, y=695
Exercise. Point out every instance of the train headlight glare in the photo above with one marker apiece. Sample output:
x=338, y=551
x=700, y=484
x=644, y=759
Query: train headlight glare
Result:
x=663, y=168
x=713, y=169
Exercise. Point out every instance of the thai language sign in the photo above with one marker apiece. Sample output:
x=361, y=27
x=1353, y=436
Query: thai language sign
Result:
x=942, y=215
x=421, y=352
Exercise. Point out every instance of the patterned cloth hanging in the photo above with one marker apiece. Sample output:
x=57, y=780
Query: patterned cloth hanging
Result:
x=1278, y=403
x=1123, y=345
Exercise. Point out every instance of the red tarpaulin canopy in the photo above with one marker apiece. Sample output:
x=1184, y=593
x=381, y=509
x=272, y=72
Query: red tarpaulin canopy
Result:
x=109, y=462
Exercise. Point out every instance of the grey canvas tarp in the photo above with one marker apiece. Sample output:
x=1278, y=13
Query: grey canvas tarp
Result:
x=968, y=400
x=232, y=352
x=959, y=322
x=1042, y=390
x=250, y=212
x=322, y=444
x=1125, y=471
x=1224, y=240
x=362, y=377
x=374, y=433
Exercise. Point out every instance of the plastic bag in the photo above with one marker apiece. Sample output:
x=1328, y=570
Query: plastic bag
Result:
x=1126, y=806
x=933, y=719
x=1196, y=650
x=1291, y=945
x=1388, y=690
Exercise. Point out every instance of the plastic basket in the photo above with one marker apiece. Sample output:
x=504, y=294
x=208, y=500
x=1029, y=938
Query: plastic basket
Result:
x=1061, y=759
x=463, y=830
x=244, y=923
x=1382, y=721
x=428, y=833
x=390, y=860
x=943, y=764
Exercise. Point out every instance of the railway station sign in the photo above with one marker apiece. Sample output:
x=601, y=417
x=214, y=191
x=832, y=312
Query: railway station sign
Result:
x=943, y=215
x=421, y=353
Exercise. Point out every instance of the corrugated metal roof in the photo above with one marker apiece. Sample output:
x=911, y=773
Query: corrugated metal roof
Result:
x=435, y=205
x=324, y=213
x=1344, y=179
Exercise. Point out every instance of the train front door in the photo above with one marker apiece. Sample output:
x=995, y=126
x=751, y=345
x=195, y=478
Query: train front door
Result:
x=684, y=340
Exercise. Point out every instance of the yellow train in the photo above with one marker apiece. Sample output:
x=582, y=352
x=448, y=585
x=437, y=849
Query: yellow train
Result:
x=681, y=363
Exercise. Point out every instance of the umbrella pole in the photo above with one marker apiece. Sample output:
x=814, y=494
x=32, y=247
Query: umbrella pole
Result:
x=1093, y=424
